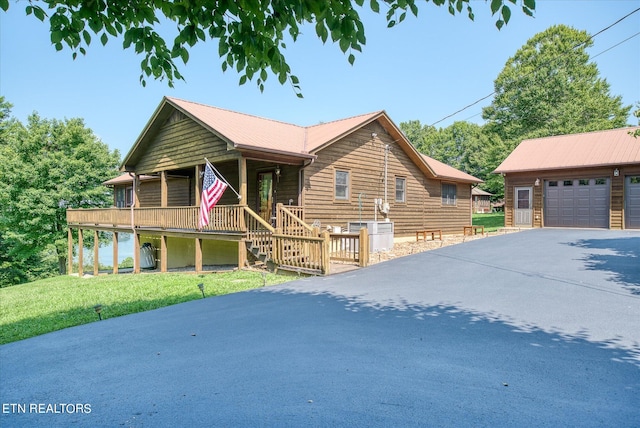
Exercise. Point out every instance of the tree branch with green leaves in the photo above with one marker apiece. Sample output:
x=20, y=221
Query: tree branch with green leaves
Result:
x=251, y=34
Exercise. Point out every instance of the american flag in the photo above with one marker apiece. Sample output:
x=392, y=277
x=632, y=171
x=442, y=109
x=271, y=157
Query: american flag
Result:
x=212, y=190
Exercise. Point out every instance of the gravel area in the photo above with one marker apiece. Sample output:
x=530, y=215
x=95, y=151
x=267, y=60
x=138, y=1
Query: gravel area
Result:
x=407, y=246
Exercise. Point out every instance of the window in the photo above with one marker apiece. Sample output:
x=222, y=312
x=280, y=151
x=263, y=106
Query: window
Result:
x=401, y=189
x=124, y=196
x=583, y=182
x=601, y=181
x=448, y=194
x=553, y=184
x=567, y=183
x=634, y=180
x=342, y=185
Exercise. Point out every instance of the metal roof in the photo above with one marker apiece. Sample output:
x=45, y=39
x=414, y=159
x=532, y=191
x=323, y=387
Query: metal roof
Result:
x=600, y=148
x=252, y=133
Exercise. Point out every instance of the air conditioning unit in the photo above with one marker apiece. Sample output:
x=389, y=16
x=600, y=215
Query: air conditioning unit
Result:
x=380, y=233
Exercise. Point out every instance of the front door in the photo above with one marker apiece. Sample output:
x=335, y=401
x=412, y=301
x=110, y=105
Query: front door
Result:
x=266, y=207
x=523, y=208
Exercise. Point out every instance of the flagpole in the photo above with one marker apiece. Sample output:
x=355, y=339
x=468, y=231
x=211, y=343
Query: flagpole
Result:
x=222, y=178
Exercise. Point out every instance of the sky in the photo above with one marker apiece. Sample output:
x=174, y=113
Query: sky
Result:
x=425, y=69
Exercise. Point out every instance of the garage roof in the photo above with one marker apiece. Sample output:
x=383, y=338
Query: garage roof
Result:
x=591, y=149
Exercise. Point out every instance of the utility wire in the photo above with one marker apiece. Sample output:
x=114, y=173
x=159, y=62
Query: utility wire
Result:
x=574, y=48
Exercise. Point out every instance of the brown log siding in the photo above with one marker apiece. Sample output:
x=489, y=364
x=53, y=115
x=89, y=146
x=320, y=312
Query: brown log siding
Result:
x=182, y=144
x=363, y=157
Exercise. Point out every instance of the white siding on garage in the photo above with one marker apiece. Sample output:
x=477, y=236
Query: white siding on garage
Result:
x=577, y=203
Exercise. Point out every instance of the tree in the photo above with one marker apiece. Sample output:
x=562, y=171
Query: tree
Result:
x=462, y=145
x=549, y=87
x=46, y=167
x=250, y=33
x=636, y=114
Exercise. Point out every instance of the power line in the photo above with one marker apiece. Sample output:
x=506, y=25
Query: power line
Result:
x=573, y=48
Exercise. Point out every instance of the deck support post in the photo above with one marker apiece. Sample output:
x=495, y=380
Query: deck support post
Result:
x=242, y=253
x=163, y=253
x=136, y=252
x=198, y=264
x=70, y=251
x=115, y=253
x=80, y=254
x=96, y=255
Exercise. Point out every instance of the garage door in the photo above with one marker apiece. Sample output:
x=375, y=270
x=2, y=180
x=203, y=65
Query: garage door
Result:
x=632, y=202
x=577, y=203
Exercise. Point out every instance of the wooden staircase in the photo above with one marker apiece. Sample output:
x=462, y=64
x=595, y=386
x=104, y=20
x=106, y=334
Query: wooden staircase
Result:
x=291, y=245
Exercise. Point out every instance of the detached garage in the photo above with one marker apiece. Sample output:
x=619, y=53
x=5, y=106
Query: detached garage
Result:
x=589, y=180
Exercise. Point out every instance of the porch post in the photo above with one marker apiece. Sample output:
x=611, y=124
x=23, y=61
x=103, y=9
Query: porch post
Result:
x=198, y=255
x=96, y=256
x=136, y=191
x=163, y=253
x=115, y=253
x=164, y=198
x=136, y=252
x=198, y=184
x=80, y=254
x=70, y=251
x=242, y=179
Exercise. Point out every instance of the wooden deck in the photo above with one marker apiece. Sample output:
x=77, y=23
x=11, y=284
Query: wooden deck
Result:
x=290, y=243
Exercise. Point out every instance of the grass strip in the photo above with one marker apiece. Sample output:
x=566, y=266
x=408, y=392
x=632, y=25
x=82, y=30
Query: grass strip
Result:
x=52, y=304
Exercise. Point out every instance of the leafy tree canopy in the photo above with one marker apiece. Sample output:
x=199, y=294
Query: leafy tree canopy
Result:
x=462, y=145
x=549, y=87
x=250, y=33
x=47, y=166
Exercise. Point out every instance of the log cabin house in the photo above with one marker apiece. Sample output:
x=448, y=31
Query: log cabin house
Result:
x=587, y=180
x=293, y=183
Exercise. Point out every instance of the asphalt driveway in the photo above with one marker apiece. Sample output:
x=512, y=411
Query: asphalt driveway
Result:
x=537, y=328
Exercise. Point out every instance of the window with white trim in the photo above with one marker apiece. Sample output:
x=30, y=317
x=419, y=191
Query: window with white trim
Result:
x=342, y=185
x=401, y=186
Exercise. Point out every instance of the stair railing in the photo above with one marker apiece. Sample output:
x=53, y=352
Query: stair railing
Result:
x=289, y=222
x=259, y=232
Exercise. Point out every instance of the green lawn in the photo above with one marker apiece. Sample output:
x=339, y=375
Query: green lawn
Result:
x=52, y=304
x=491, y=222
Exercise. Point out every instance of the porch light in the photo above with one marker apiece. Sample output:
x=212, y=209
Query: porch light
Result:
x=98, y=309
x=201, y=287
x=278, y=171
x=616, y=172
x=537, y=183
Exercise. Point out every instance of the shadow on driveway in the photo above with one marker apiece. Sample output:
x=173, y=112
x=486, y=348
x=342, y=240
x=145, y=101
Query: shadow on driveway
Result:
x=423, y=340
x=620, y=257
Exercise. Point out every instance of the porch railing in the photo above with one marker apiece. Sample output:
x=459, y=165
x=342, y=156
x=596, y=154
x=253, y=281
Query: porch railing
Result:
x=100, y=216
x=350, y=247
x=228, y=218
x=305, y=253
x=290, y=221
